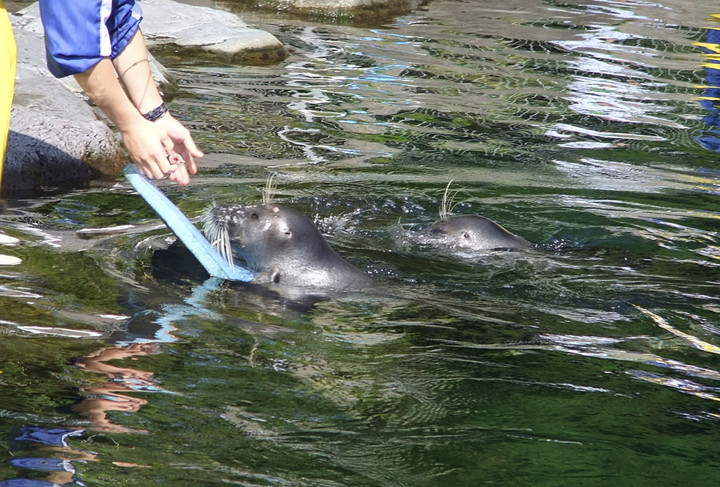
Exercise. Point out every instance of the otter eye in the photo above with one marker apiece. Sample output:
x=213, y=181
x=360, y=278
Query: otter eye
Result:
x=466, y=235
x=254, y=216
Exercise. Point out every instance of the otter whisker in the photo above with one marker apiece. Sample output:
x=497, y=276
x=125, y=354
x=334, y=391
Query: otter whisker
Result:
x=219, y=238
x=268, y=192
x=447, y=206
x=226, y=248
x=223, y=246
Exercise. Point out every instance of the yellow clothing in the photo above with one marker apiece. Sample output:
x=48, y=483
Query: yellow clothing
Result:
x=8, y=56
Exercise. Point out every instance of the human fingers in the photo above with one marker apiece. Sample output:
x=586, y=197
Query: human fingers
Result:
x=192, y=152
x=191, y=147
x=150, y=170
x=181, y=176
x=184, y=143
x=179, y=172
x=185, y=147
x=167, y=161
x=170, y=165
x=147, y=161
x=156, y=168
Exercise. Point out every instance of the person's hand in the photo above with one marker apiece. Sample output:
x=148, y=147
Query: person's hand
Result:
x=183, y=146
x=160, y=149
x=150, y=146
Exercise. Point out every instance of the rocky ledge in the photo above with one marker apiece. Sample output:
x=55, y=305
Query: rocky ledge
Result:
x=350, y=11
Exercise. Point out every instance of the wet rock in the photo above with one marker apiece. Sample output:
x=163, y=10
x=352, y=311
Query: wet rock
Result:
x=216, y=31
x=55, y=137
x=352, y=11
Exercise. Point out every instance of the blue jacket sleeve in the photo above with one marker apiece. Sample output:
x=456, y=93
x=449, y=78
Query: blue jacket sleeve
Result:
x=78, y=34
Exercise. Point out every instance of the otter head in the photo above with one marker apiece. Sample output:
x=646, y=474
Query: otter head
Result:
x=267, y=237
x=472, y=232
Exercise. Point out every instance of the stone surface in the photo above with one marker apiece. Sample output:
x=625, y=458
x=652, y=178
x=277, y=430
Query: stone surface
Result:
x=55, y=137
x=216, y=31
x=354, y=11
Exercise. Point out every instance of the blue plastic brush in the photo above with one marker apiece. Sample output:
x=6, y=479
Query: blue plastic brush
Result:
x=205, y=253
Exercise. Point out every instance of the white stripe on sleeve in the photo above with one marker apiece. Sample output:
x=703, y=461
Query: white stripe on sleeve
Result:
x=105, y=44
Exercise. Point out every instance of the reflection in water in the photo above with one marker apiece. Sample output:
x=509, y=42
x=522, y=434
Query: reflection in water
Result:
x=58, y=470
x=590, y=346
x=611, y=87
x=710, y=100
x=314, y=84
x=112, y=395
x=708, y=180
x=100, y=400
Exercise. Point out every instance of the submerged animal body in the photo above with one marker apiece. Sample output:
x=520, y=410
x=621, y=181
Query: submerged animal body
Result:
x=468, y=234
x=281, y=246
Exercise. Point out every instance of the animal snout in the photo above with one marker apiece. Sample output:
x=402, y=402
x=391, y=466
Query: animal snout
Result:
x=222, y=215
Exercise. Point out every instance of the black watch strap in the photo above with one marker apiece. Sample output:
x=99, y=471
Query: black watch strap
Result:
x=156, y=112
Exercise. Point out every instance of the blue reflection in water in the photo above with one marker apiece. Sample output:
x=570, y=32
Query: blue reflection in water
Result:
x=48, y=436
x=43, y=464
x=711, y=97
x=61, y=470
x=102, y=398
x=27, y=483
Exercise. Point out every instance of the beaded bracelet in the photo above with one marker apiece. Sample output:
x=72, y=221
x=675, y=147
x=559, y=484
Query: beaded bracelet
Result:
x=156, y=112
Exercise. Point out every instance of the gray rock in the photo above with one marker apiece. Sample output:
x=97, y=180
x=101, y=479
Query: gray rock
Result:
x=55, y=137
x=216, y=31
x=349, y=10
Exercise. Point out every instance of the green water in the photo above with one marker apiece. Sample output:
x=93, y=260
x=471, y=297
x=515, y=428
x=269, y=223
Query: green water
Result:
x=588, y=360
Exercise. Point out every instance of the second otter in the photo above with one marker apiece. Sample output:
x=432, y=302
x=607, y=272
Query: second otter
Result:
x=470, y=233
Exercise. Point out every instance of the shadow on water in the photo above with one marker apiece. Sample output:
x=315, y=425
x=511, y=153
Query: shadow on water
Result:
x=589, y=359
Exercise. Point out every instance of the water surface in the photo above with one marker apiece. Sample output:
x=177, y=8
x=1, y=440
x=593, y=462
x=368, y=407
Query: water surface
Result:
x=591, y=359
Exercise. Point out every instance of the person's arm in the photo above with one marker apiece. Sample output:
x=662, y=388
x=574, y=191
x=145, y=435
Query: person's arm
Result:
x=147, y=143
x=81, y=39
x=133, y=67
